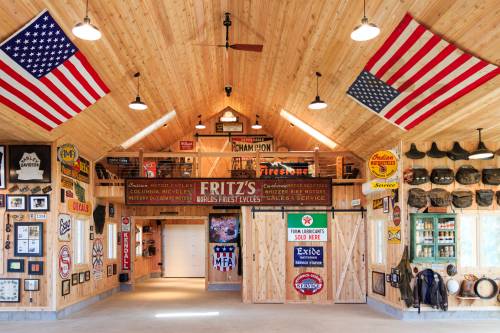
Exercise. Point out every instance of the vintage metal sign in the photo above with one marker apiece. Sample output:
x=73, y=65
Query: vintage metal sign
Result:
x=394, y=235
x=118, y=160
x=66, y=182
x=286, y=170
x=307, y=228
x=67, y=154
x=125, y=235
x=383, y=164
x=252, y=144
x=64, y=262
x=97, y=258
x=396, y=216
x=228, y=127
x=64, y=226
x=308, y=283
x=226, y=191
x=126, y=223
x=186, y=145
x=224, y=258
x=80, y=170
x=77, y=207
x=307, y=256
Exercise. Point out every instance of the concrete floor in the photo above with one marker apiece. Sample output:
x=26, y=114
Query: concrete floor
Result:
x=138, y=311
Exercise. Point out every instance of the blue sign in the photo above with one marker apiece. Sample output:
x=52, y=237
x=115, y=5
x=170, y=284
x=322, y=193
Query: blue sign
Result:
x=307, y=256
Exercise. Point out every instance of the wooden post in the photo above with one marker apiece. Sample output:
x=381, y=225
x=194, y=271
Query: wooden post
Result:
x=316, y=162
x=339, y=166
x=141, y=162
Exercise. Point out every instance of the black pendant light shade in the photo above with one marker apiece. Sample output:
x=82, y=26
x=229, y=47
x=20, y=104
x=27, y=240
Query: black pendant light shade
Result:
x=481, y=153
x=137, y=104
x=318, y=103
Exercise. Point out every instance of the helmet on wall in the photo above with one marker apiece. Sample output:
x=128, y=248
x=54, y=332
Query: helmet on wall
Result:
x=452, y=286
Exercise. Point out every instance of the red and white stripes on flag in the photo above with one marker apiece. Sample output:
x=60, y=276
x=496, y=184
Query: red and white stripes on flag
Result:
x=415, y=74
x=44, y=77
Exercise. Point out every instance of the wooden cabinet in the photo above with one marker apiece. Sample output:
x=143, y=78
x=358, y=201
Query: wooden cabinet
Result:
x=433, y=238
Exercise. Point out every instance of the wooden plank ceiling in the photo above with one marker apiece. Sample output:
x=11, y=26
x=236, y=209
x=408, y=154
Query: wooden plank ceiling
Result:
x=161, y=39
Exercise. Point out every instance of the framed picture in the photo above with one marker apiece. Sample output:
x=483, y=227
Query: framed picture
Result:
x=110, y=270
x=15, y=202
x=65, y=287
x=378, y=283
x=223, y=228
x=35, y=267
x=31, y=284
x=2, y=200
x=74, y=279
x=28, y=239
x=91, y=236
x=115, y=269
x=39, y=203
x=15, y=265
x=29, y=164
x=87, y=276
x=81, y=277
x=385, y=202
x=111, y=210
x=10, y=290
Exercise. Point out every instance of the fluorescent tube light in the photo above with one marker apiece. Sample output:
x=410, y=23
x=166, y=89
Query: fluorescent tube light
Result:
x=308, y=129
x=148, y=130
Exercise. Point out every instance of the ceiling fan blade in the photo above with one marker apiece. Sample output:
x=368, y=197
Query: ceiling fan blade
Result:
x=247, y=47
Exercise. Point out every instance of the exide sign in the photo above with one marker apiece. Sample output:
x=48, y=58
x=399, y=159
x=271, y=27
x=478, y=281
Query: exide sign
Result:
x=227, y=191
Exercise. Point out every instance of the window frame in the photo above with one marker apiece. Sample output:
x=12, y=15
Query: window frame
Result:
x=84, y=239
x=112, y=246
x=377, y=222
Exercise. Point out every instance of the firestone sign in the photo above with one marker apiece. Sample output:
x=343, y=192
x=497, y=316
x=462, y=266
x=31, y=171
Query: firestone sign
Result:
x=226, y=191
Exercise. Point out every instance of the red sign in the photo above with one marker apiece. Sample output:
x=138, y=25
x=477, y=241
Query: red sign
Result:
x=125, y=250
x=150, y=169
x=64, y=262
x=396, y=215
x=227, y=191
x=186, y=145
x=308, y=283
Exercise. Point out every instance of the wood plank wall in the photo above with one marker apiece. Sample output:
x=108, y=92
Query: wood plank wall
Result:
x=394, y=252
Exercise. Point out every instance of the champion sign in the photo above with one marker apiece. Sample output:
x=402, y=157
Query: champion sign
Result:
x=224, y=258
x=308, y=283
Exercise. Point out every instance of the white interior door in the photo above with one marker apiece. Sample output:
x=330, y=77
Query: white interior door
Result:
x=185, y=250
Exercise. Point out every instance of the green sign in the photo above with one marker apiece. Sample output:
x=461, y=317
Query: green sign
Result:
x=307, y=228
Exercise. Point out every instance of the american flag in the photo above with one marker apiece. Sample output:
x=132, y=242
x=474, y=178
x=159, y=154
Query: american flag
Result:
x=415, y=74
x=44, y=76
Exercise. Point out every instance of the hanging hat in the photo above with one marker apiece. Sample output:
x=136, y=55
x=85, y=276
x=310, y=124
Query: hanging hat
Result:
x=434, y=152
x=414, y=153
x=453, y=286
x=458, y=153
x=451, y=270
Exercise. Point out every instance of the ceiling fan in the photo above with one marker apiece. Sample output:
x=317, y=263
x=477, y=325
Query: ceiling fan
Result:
x=240, y=47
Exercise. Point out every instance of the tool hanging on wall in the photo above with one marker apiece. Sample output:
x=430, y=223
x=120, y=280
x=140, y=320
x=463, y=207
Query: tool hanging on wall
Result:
x=8, y=227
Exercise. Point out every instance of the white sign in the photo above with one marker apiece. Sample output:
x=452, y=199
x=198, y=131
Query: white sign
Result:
x=126, y=223
x=29, y=167
x=64, y=226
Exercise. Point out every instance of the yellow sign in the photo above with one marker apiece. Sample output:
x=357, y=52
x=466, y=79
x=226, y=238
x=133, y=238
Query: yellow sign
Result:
x=66, y=182
x=67, y=154
x=77, y=207
x=394, y=235
x=379, y=185
x=383, y=164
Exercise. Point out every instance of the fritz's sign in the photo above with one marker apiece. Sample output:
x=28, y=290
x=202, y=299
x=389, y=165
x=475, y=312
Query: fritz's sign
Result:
x=227, y=191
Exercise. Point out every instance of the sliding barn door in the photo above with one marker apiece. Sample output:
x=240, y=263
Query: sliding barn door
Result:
x=269, y=234
x=350, y=250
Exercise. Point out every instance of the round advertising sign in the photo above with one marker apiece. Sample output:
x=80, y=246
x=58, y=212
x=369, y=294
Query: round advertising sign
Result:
x=383, y=164
x=67, y=154
x=307, y=220
x=64, y=262
x=308, y=283
x=396, y=215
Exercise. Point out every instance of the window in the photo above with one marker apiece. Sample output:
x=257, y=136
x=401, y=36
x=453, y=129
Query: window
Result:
x=80, y=241
x=379, y=241
x=112, y=240
x=138, y=241
x=479, y=234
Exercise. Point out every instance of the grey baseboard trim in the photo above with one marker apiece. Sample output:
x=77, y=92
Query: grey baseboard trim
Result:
x=432, y=315
x=155, y=275
x=224, y=287
x=54, y=315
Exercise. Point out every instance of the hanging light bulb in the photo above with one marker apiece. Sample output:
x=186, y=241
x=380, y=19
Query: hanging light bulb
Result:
x=481, y=153
x=85, y=30
x=200, y=126
x=365, y=31
x=257, y=126
x=137, y=104
x=317, y=104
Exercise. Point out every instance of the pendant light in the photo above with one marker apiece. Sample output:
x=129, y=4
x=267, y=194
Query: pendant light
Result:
x=317, y=104
x=365, y=31
x=481, y=153
x=137, y=104
x=200, y=126
x=85, y=30
x=257, y=126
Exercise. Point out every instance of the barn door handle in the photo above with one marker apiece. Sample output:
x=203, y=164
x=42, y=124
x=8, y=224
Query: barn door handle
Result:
x=253, y=255
x=363, y=257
